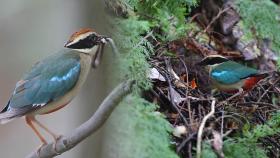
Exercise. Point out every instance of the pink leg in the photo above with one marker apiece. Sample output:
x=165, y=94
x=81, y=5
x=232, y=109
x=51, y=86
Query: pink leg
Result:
x=29, y=120
x=56, y=137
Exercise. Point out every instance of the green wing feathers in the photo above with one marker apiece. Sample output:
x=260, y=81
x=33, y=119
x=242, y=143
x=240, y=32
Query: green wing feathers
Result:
x=47, y=81
x=231, y=72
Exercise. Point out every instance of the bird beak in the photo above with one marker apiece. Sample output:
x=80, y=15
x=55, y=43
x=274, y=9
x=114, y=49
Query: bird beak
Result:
x=104, y=39
x=67, y=44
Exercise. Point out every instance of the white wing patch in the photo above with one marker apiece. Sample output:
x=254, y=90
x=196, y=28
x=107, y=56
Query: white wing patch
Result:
x=38, y=105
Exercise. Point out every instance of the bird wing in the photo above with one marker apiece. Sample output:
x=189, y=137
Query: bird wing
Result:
x=47, y=81
x=231, y=72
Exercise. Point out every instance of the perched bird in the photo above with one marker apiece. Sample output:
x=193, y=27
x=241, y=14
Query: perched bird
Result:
x=53, y=82
x=230, y=76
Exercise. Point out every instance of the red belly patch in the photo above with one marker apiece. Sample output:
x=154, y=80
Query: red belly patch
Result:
x=251, y=82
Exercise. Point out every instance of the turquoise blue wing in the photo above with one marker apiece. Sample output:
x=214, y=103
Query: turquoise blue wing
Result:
x=231, y=72
x=47, y=81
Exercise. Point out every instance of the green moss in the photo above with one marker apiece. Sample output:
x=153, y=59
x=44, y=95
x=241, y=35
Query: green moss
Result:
x=135, y=130
x=270, y=128
x=134, y=51
x=241, y=149
x=248, y=35
x=247, y=145
x=235, y=149
x=261, y=17
x=167, y=15
x=207, y=151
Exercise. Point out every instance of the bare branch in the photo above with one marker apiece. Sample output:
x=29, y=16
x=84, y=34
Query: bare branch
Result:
x=87, y=128
x=201, y=127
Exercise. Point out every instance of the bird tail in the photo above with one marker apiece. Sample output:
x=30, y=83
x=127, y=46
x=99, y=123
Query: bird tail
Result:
x=6, y=114
x=261, y=75
x=6, y=117
x=253, y=80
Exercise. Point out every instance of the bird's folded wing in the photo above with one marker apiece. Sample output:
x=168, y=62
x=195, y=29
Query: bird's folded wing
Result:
x=231, y=72
x=47, y=81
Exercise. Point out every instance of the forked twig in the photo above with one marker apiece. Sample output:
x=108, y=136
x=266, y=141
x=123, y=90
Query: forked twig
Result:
x=216, y=18
x=201, y=127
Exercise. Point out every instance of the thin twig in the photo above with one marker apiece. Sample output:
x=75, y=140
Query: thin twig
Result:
x=259, y=103
x=171, y=95
x=143, y=39
x=222, y=123
x=113, y=45
x=240, y=92
x=266, y=91
x=89, y=127
x=216, y=18
x=201, y=127
x=189, y=138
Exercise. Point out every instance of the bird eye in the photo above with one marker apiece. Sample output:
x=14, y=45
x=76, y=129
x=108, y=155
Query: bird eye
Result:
x=93, y=37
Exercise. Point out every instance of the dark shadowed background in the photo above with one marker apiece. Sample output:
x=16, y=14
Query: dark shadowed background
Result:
x=29, y=31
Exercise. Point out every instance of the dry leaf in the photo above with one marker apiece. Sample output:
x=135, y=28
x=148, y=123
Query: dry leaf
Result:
x=232, y=125
x=193, y=84
x=177, y=99
x=179, y=131
x=154, y=74
x=179, y=84
x=173, y=115
x=251, y=109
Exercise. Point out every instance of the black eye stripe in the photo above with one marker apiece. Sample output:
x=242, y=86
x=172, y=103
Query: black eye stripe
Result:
x=86, y=43
x=213, y=60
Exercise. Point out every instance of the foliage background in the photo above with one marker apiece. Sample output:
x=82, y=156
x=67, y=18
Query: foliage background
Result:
x=163, y=21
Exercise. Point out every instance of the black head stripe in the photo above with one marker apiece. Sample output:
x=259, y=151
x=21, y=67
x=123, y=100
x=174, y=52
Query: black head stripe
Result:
x=213, y=61
x=86, y=43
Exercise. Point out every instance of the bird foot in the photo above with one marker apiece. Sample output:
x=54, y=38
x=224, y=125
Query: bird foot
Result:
x=39, y=148
x=55, y=142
